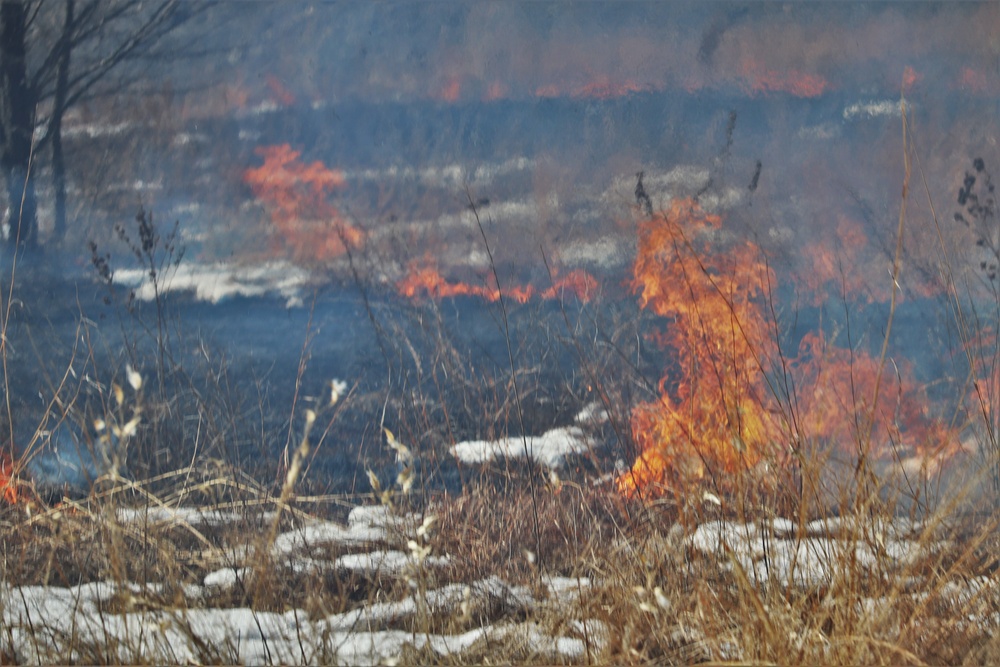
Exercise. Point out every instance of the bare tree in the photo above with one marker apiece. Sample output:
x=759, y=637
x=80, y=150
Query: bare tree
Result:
x=16, y=119
x=52, y=57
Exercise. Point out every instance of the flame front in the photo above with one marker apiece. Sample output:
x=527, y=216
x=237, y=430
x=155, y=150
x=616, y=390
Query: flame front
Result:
x=424, y=280
x=732, y=404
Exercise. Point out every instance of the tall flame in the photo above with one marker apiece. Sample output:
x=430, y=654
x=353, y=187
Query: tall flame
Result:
x=723, y=410
x=713, y=418
x=297, y=196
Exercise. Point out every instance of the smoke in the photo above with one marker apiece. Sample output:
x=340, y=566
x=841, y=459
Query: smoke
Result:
x=66, y=462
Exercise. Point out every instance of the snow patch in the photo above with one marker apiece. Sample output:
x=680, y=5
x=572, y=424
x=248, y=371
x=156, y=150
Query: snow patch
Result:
x=772, y=551
x=386, y=562
x=883, y=108
x=607, y=252
x=550, y=449
x=215, y=282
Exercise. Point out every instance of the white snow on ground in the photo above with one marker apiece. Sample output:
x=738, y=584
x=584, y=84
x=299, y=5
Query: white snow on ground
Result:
x=823, y=131
x=226, y=578
x=889, y=108
x=549, y=449
x=777, y=551
x=682, y=181
x=170, y=516
x=453, y=175
x=215, y=282
x=50, y=623
x=383, y=561
x=592, y=413
x=127, y=623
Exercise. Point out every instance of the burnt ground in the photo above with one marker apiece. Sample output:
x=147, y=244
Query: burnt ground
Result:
x=238, y=373
x=435, y=373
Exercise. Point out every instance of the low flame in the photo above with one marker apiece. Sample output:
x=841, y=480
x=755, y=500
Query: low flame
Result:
x=832, y=265
x=8, y=482
x=279, y=92
x=759, y=79
x=451, y=90
x=600, y=88
x=577, y=282
x=424, y=280
x=297, y=196
x=977, y=81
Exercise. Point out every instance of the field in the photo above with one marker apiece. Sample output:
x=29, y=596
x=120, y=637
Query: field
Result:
x=543, y=333
x=758, y=503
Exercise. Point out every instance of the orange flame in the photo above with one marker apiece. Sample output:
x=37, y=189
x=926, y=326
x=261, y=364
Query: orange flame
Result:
x=838, y=398
x=451, y=90
x=601, y=88
x=714, y=418
x=577, y=282
x=800, y=84
x=8, y=484
x=279, y=92
x=833, y=266
x=718, y=414
x=297, y=196
x=976, y=81
x=424, y=280
x=497, y=90
x=604, y=88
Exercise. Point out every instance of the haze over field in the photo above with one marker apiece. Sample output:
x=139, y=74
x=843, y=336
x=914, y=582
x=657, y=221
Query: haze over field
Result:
x=545, y=110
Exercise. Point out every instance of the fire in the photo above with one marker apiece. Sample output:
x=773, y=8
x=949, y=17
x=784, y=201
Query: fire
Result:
x=713, y=418
x=452, y=90
x=297, y=196
x=601, y=88
x=8, y=483
x=800, y=84
x=604, y=88
x=723, y=411
x=548, y=90
x=424, y=280
x=279, y=92
x=976, y=81
x=497, y=90
x=832, y=265
x=577, y=282
x=839, y=406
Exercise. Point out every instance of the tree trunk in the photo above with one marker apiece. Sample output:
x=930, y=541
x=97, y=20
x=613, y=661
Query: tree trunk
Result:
x=55, y=125
x=16, y=127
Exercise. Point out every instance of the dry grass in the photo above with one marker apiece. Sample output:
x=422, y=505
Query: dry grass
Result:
x=646, y=592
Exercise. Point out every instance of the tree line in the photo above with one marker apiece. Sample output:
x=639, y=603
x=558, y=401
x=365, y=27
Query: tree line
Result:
x=55, y=55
